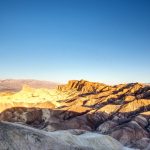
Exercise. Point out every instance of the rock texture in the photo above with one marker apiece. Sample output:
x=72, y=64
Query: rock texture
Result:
x=121, y=111
x=16, y=137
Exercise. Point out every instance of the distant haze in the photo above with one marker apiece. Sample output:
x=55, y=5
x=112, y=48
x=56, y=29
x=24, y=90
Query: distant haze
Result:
x=16, y=85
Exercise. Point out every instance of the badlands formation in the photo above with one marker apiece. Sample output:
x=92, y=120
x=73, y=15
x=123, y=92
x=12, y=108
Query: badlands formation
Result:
x=79, y=115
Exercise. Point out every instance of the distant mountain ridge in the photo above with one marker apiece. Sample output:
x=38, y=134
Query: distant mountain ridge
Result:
x=17, y=84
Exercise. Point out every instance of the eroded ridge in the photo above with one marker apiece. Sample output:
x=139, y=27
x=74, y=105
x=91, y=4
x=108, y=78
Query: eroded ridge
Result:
x=121, y=111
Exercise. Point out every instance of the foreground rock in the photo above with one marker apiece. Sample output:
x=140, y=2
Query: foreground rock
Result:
x=16, y=137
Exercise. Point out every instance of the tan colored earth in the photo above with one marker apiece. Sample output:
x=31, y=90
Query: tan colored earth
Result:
x=121, y=111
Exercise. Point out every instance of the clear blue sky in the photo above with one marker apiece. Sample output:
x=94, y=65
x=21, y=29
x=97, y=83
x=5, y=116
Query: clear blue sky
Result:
x=98, y=40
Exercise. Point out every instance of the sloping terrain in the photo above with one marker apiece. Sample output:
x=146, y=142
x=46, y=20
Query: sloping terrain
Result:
x=19, y=137
x=121, y=111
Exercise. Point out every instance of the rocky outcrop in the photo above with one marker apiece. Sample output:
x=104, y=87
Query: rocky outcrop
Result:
x=83, y=86
x=118, y=111
x=16, y=137
x=121, y=111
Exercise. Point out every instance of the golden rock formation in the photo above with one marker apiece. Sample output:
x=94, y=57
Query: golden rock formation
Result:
x=118, y=110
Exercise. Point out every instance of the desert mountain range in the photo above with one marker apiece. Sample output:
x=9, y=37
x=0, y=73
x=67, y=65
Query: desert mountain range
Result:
x=81, y=110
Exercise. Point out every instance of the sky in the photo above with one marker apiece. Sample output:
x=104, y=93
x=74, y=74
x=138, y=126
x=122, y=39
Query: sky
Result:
x=58, y=40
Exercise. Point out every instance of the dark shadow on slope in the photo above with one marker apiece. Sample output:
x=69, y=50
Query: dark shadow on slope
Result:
x=39, y=117
x=55, y=119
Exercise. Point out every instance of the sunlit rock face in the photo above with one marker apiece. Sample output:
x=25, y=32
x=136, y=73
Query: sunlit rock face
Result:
x=121, y=111
x=83, y=86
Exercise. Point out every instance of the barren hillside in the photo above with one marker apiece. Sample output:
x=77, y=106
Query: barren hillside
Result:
x=121, y=111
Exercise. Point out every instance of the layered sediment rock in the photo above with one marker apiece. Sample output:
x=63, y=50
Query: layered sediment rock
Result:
x=121, y=111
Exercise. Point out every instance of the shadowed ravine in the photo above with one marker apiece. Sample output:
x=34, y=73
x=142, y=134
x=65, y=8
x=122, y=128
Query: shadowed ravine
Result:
x=120, y=111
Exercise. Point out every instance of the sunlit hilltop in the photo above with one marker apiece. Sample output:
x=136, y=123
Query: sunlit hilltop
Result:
x=33, y=97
